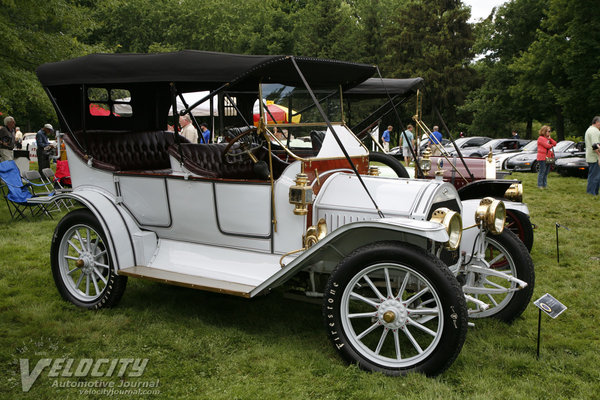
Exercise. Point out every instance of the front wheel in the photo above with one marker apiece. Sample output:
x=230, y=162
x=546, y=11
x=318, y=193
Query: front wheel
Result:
x=507, y=254
x=394, y=308
x=82, y=266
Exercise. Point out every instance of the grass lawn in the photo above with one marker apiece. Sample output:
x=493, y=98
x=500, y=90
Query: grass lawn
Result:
x=210, y=346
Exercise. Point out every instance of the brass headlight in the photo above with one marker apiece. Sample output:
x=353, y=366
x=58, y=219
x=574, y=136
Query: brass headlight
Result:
x=514, y=192
x=453, y=224
x=492, y=213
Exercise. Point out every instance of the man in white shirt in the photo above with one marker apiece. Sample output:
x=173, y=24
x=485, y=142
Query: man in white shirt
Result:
x=187, y=128
x=592, y=155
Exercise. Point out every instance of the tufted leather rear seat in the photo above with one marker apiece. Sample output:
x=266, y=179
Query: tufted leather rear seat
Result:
x=125, y=150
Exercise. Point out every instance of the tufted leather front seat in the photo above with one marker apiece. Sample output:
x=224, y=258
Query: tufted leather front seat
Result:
x=207, y=160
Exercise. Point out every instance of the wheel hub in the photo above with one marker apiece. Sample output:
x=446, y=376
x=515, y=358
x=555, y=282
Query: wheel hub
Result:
x=392, y=314
x=86, y=263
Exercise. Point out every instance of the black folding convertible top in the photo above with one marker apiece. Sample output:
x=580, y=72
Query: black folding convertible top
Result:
x=381, y=87
x=195, y=70
x=149, y=79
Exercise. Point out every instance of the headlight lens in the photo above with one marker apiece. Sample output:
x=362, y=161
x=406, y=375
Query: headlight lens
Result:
x=453, y=224
x=492, y=213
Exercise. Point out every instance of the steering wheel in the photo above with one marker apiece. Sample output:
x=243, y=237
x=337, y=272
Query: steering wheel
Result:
x=249, y=142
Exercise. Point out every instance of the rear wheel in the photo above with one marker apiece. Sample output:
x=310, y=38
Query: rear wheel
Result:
x=394, y=308
x=82, y=266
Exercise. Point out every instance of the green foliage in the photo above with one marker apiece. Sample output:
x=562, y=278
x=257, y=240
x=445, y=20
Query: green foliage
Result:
x=432, y=39
x=541, y=62
x=31, y=33
x=498, y=104
x=540, y=57
x=209, y=346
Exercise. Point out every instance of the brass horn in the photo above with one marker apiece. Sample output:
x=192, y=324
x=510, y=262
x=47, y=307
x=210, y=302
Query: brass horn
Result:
x=315, y=233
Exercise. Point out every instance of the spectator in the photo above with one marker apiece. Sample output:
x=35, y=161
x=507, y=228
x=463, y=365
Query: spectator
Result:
x=205, y=133
x=386, y=137
x=514, y=134
x=407, y=140
x=592, y=156
x=7, y=139
x=187, y=128
x=43, y=147
x=18, y=138
x=544, y=151
x=435, y=141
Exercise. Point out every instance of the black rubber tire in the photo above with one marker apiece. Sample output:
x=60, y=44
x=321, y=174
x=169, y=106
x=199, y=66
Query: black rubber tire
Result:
x=535, y=167
x=524, y=270
x=115, y=285
x=520, y=224
x=437, y=356
x=391, y=162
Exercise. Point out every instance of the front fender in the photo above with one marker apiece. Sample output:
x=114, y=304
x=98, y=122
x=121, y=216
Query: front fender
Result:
x=488, y=187
x=332, y=248
x=129, y=245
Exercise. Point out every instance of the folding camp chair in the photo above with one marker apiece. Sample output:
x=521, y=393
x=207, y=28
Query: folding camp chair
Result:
x=51, y=179
x=41, y=188
x=17, y=194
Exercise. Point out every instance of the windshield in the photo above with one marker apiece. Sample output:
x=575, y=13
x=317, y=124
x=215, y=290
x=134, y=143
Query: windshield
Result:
x=563, y=145
x=293, y=118
x=493, y=143
x=531, y=146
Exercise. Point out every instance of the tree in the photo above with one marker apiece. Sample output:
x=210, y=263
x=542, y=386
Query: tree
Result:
x=432, y=39
x=498, y=104
x=564, y=61
x=33, y=33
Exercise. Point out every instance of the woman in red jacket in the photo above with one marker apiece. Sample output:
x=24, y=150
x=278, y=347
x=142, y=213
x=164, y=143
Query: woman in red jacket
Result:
x=544, y=150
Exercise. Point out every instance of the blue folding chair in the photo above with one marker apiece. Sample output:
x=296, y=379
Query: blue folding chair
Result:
x=17, y=194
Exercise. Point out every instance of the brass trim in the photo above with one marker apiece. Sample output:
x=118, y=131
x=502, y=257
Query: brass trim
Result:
x=449, y=219
x=515, y=192
x=313, y=235
x=489, y=212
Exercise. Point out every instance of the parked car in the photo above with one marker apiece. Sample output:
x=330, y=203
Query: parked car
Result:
x=527, y=162
x=29, y=144
x=467, y=142
x=501, y=158
x=28, y=139
x=497, y=146
x=388, y=256
x=572, y=165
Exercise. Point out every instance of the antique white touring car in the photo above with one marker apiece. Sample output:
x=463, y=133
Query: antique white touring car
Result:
x=400, y=264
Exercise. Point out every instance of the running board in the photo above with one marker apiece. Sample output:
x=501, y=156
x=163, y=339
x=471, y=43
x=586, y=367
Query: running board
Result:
x=189, y=281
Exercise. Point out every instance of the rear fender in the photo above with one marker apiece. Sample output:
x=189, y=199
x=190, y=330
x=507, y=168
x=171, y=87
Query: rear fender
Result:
x=129, y=245
x=325, y=255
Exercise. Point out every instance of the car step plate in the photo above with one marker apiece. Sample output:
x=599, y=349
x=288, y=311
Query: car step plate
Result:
x=190, y=281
